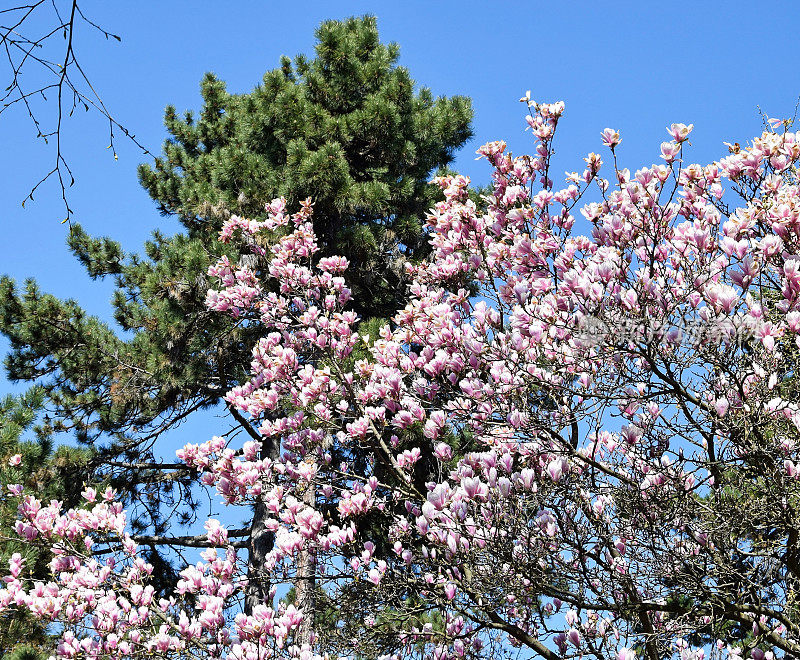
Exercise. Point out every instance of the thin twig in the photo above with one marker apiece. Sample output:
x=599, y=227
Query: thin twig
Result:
x=28, y=53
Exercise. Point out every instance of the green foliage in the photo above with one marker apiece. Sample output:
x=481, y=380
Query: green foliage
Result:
x=345, y=128
x=27, y=652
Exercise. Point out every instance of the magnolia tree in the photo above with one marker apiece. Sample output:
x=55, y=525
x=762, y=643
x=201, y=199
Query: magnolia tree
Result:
x=612, y=406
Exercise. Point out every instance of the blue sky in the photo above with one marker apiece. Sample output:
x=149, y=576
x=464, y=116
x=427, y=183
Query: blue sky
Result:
x=636, y=67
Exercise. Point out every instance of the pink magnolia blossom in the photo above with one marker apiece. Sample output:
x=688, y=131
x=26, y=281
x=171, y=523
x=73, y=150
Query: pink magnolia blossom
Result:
x=547, y=431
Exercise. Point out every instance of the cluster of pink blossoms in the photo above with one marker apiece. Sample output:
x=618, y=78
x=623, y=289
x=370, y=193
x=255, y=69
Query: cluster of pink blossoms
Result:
x=106, y=608
x=557, y=434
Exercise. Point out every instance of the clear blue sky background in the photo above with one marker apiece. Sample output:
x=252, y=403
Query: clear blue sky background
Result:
x=633, y=66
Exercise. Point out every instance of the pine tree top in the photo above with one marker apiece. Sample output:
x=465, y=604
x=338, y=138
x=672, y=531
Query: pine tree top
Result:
x=346, y=128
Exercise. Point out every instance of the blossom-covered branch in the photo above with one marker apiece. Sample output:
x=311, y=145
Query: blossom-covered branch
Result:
x=579, y=436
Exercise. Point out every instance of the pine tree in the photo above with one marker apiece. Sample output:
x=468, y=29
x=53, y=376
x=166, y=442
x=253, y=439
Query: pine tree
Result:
x=347, y=129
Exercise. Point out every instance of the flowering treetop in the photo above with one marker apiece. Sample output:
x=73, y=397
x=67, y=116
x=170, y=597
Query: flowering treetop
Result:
x=583, y=443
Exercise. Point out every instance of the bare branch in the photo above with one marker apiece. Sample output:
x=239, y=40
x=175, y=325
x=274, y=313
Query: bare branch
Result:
x=51, y=67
